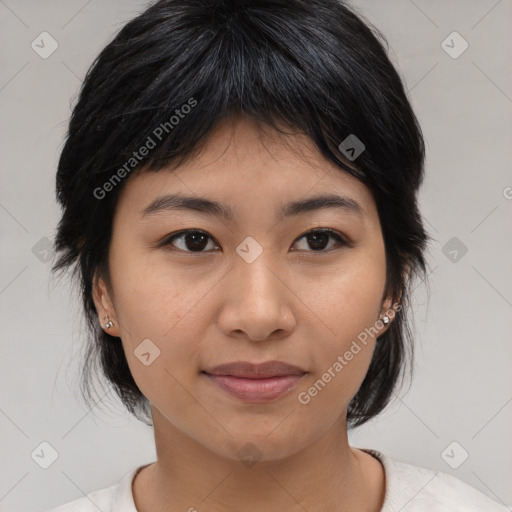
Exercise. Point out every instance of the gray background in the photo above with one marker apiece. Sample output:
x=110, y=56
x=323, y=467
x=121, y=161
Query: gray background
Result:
x=462, y=390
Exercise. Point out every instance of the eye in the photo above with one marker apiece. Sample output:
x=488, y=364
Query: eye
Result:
x=190, y=240
x=318, y=239
x=194, y=240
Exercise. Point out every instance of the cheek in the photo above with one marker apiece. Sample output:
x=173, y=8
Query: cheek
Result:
x=153, y=304
x=152, y=297
x=352, y=301
x=342, y=362
x=350, y=307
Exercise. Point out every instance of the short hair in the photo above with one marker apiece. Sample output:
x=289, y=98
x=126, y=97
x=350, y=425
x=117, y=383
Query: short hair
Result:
x=173, y=73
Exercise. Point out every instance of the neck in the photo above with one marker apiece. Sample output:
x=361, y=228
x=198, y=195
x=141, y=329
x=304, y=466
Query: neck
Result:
x=326, y=475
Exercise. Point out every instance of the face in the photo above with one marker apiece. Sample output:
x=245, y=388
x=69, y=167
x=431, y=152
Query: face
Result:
x=192, y=290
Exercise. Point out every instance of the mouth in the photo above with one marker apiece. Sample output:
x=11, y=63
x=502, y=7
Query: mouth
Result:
x=255, y=383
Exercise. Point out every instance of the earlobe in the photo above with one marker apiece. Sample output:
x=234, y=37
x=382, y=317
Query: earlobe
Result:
x=384, y=321
x=107, y=322
x=388, y=309
x=104, y=306
x=388, y=313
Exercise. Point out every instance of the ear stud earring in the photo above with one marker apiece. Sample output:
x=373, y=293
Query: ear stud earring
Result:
x=109, y=324
x=385, y=319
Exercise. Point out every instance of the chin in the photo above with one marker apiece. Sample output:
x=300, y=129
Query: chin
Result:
x=260, y=444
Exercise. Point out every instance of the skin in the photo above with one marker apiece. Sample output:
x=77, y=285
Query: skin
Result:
x=201, y=309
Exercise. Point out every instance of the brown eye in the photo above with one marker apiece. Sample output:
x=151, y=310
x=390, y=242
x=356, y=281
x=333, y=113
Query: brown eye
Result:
x=318, y=239
x=193, y=240
x=189, y=241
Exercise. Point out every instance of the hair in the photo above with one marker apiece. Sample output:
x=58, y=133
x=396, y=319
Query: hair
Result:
x=313, y=66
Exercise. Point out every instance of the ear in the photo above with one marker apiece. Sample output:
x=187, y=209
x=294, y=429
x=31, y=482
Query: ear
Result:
x=104, y=305
x=389, y=309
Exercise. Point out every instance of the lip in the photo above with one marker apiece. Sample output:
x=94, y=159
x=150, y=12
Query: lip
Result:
x=255, y=383
x=249, y=370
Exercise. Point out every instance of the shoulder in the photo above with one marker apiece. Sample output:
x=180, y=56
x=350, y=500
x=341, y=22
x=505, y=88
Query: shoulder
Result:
x=116, y=498
x=412, y=488
x=94, y=501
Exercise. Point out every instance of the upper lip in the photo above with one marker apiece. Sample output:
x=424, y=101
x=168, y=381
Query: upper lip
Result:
x=255, y=370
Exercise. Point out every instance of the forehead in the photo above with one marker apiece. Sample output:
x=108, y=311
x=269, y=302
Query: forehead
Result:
x=243, y=166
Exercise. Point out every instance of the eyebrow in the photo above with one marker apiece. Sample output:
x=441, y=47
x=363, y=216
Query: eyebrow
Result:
x=209, y=207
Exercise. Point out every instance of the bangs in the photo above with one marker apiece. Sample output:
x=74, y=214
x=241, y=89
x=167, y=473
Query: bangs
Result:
x=164, y=93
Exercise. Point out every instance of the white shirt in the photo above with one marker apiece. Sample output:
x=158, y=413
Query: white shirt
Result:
x=408, y=489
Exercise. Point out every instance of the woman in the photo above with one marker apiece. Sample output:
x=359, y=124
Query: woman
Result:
x=239, y=190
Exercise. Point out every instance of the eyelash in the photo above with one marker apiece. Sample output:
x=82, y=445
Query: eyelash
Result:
x=334, y=234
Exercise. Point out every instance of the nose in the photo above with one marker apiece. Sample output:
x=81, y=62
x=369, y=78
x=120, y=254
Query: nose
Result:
x=258, y=301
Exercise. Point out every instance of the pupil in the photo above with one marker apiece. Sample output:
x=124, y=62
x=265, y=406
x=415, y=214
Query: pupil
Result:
x=195, y=241
x=313, y=238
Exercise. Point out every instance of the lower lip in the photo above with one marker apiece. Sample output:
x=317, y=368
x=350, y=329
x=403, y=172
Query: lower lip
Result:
x=256, y=390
